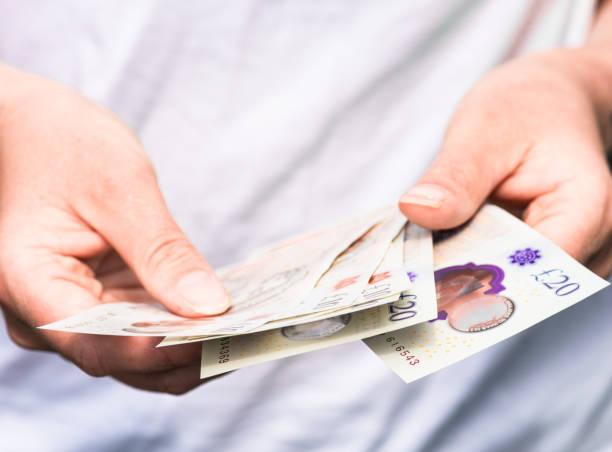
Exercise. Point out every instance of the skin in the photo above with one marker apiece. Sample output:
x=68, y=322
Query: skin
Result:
x=531, y=136
x=84, y=221
x=87, y=224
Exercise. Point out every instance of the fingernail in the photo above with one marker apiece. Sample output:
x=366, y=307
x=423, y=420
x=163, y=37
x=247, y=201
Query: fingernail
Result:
x=204, y=293
x=429, y=195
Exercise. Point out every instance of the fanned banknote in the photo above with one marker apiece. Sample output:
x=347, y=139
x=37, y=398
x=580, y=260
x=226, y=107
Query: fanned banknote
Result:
x=495, y=277
x=274, y=284
x=417, y=304
x=384, y=286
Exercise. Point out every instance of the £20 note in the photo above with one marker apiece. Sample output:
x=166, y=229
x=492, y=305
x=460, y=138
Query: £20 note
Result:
x=494, y=277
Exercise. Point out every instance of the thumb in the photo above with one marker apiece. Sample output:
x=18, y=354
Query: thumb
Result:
x=460, y=179
x=136, y=222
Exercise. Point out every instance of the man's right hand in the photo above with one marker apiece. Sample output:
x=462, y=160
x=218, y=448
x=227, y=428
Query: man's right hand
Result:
x=82, y=221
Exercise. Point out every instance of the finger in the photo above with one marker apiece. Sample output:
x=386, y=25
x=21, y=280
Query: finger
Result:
x=112, y=271
x=100, y=356
x=176, y=381
x=57, y=293
x=23, y=335
x=135, y=295
x=601, y=262
x=106, y=263
x=125, y=279
x=131, y=214
x=575, y=237
x=474, y=159
x=565, y=216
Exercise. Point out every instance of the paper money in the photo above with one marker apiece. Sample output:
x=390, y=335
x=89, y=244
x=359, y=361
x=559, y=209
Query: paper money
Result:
x=495, y=277
x=416, y=305
x=384, y=286
x=345, y=281
x=279, y=282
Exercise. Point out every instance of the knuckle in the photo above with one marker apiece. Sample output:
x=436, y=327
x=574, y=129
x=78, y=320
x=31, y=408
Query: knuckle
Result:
x=455, y=177
x=169, y=251
x=463, y=176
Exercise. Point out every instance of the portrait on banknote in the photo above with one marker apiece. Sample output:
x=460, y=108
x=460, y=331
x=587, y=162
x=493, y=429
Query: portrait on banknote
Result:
x=469, y=297
x=316, y=330
x=161, y=327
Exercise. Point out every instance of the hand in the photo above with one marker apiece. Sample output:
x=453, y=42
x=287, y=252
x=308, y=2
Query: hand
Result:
x=82, y=222
x=530, y=136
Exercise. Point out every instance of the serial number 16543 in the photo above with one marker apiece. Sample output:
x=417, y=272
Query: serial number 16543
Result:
x=402, y=351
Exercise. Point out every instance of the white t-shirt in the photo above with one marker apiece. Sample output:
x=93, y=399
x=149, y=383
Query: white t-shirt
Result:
x=265, y=118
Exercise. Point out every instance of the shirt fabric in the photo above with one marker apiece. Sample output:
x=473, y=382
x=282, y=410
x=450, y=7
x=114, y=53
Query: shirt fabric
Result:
x=267, y=118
